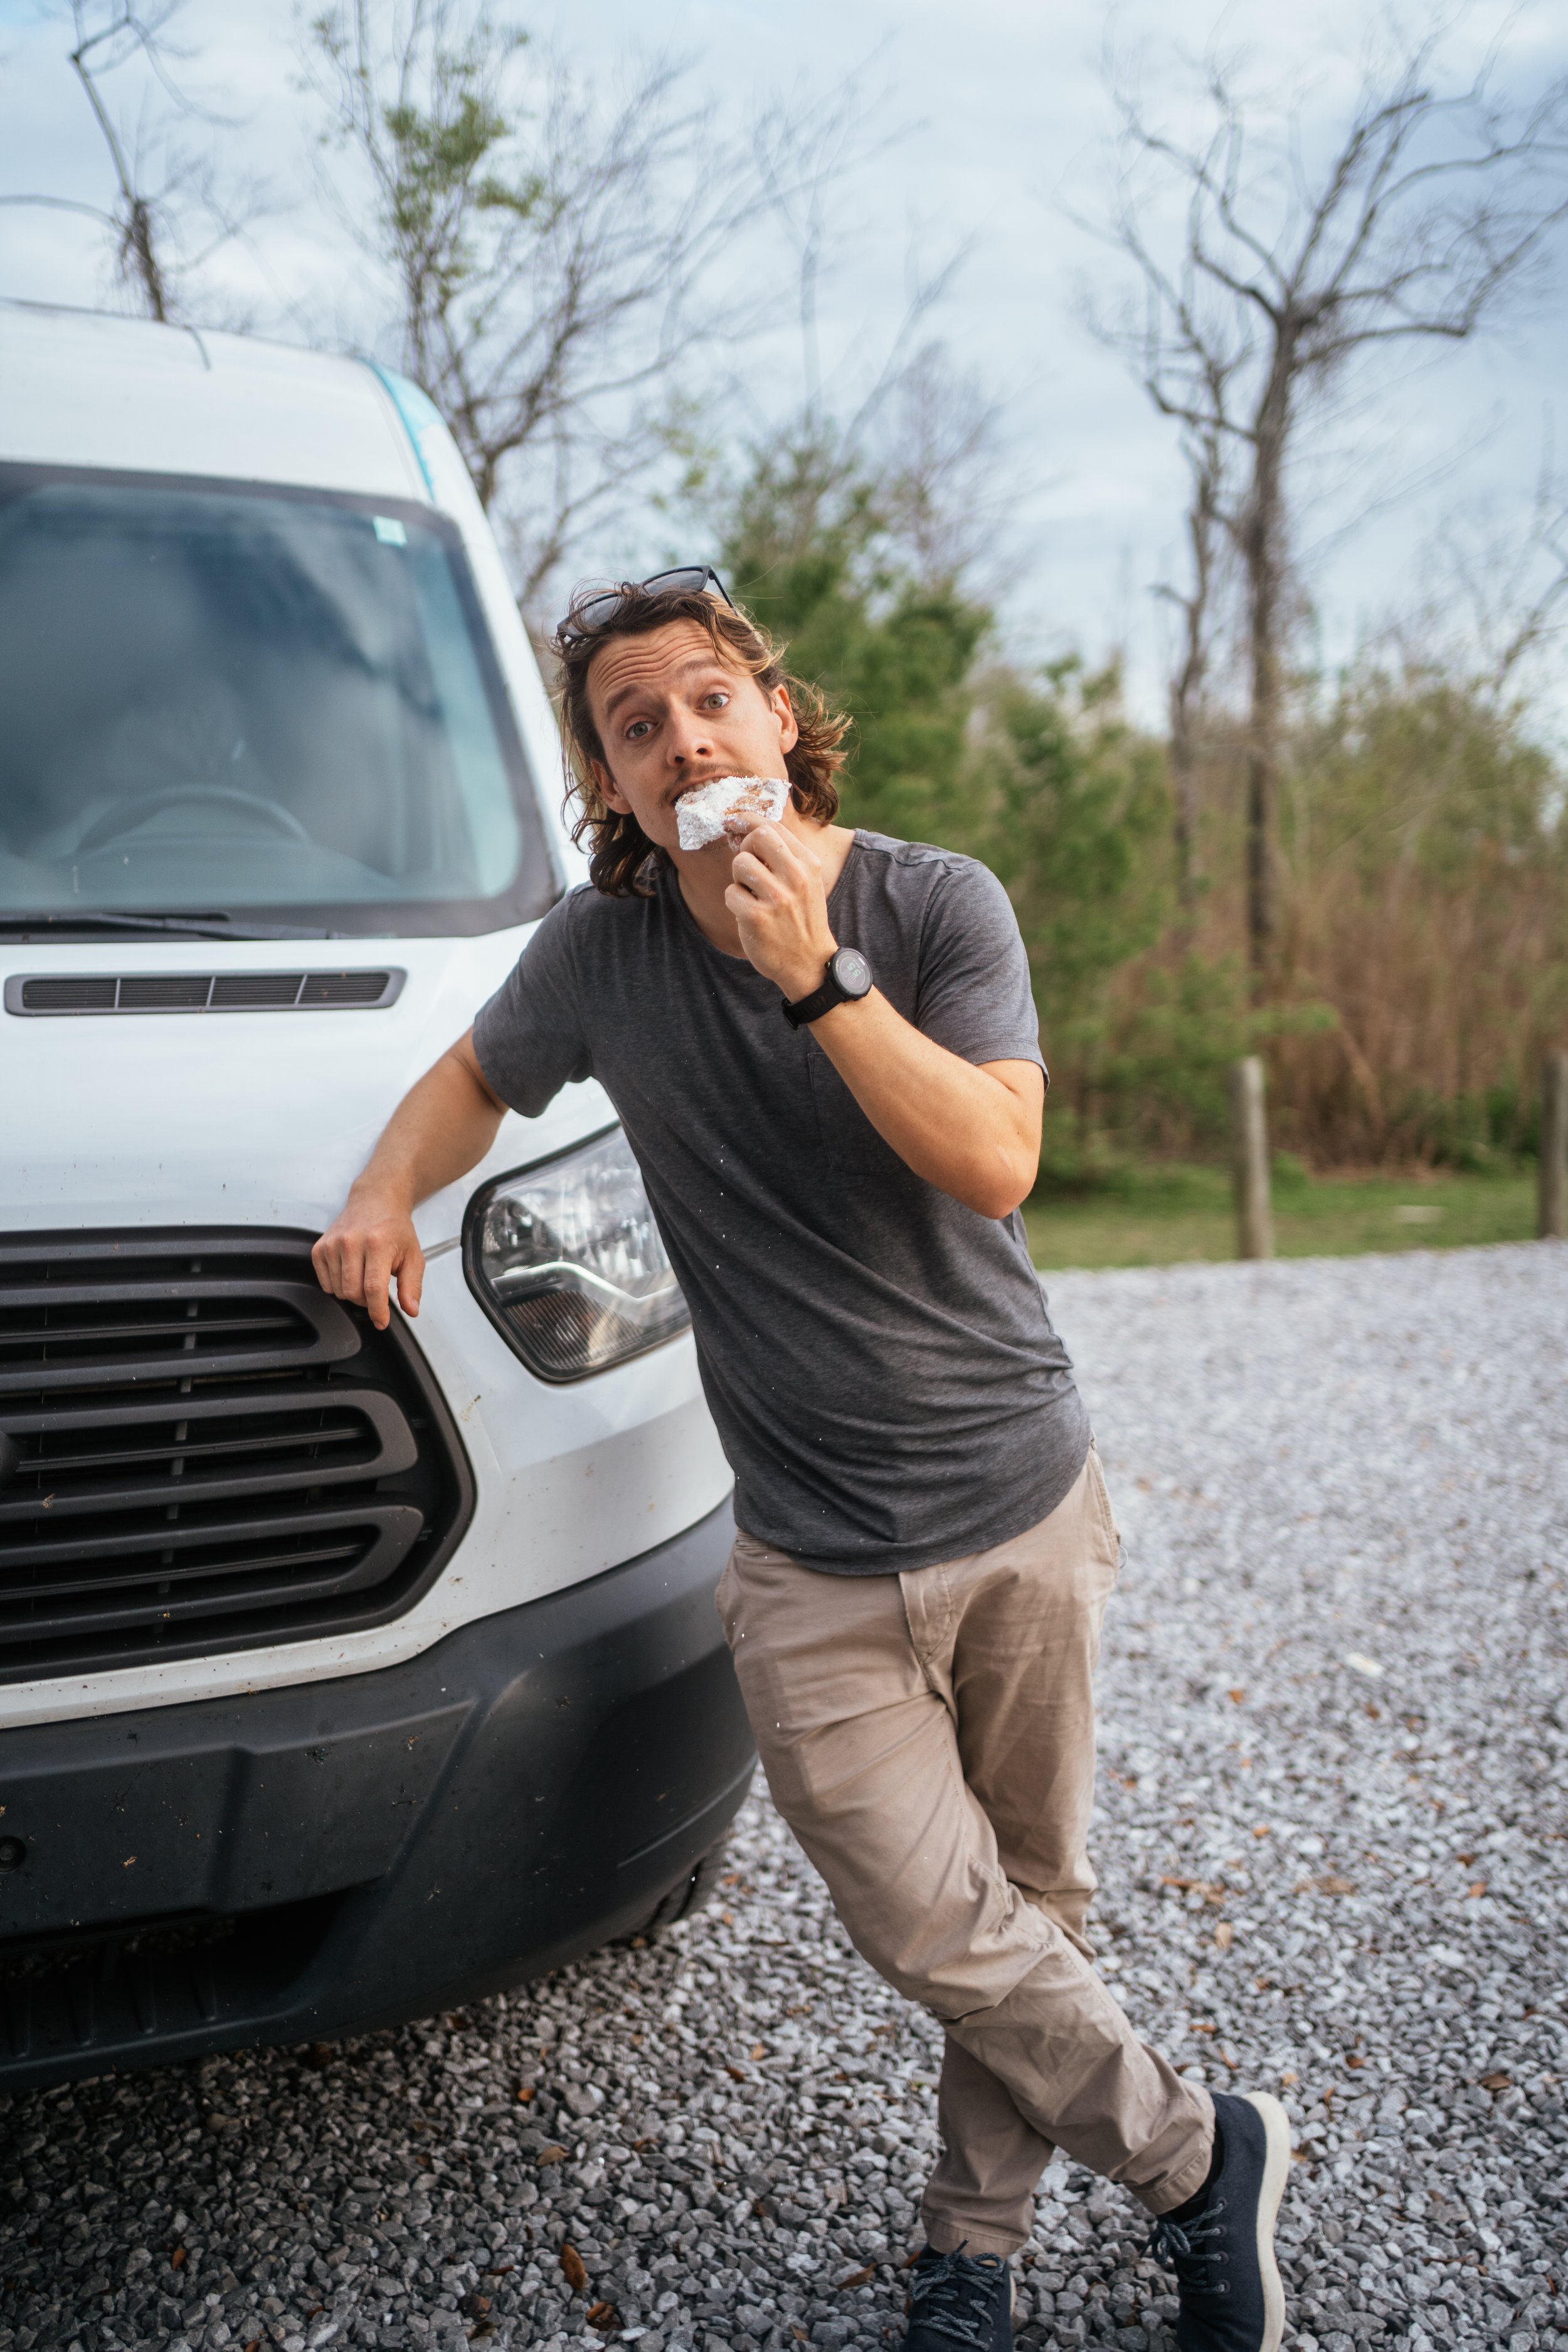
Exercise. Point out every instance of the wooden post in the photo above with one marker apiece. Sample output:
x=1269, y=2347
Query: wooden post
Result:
x=1553, y=1170
x=1249, y=1145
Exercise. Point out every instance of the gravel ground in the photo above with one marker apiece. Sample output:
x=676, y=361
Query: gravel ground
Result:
x=1332, y=1833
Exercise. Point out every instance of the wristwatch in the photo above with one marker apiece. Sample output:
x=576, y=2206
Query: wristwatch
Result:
x=848, y=977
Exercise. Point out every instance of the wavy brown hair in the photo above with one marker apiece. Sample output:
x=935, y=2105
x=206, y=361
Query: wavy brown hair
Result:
x=622, y=861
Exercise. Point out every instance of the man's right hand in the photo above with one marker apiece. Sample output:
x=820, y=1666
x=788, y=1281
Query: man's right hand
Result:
x=441, y=1128
x=370, y=1241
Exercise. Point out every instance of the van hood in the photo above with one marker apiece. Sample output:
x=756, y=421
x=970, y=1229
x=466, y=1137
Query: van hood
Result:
x=253, y=1117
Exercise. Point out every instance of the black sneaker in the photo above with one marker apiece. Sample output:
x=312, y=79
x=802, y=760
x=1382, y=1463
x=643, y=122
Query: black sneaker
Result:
x=1222, y=2254
x=960, y=2299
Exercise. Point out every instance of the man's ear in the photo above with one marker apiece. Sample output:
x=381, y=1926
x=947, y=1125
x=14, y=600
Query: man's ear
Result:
x=609, y=791
x=784, y=711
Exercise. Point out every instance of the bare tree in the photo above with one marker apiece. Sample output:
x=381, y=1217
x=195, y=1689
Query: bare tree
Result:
x=1514, y=586
x=910, y=480
x=1189, y=678
x=805, y=158
x=548, y=251
x=1430, y=210
x=163, y=195
x=948, y=497
x=1208, y=448
x=885, y=441
x=137, y=212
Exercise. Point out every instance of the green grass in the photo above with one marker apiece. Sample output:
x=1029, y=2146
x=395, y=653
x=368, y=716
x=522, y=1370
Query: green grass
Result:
x=1168, y=1216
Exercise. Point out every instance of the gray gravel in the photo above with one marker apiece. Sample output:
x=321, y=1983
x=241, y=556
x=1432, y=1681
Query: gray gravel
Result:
x=1332, y=1834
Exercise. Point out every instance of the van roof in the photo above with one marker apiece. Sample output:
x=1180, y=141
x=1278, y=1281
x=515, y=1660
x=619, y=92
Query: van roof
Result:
x=81, y=388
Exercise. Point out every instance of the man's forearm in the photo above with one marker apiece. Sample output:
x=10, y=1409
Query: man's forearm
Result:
x=972, y=1130
x=443, y=1126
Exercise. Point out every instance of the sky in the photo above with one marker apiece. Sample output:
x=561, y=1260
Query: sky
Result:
x=996, y=130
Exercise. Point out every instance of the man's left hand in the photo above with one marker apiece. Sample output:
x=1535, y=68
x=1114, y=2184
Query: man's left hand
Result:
x=776, y=897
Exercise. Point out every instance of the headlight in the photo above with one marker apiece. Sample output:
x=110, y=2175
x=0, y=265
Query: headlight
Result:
x=566, y=1260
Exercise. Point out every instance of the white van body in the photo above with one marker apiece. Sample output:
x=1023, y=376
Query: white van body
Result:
x=115, y=1124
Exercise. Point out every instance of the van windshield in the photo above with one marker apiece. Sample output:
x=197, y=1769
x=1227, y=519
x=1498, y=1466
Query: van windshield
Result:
x=217, y=697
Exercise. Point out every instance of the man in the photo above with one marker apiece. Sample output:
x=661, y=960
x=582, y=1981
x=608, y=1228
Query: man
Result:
x=823, y=1051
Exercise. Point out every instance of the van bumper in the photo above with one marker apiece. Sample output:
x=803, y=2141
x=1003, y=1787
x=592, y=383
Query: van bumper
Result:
x=310, y=1863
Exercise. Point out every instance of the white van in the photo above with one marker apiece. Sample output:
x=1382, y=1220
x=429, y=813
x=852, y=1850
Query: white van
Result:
x=342, y=1676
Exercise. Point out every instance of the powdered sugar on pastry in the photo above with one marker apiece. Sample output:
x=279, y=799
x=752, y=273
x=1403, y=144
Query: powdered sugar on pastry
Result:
x=727, y=809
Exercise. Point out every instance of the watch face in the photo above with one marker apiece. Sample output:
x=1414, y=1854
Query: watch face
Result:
x=852, y=972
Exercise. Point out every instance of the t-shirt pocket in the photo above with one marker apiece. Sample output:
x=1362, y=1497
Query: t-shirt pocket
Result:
x=849, y=1139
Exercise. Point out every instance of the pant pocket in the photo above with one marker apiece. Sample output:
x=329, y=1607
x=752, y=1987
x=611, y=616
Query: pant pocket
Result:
x=1106, y=1515
x=724, y=1596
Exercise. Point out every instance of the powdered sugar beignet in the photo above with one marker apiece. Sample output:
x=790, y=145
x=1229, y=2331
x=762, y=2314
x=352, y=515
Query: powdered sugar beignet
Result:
x=727, y=809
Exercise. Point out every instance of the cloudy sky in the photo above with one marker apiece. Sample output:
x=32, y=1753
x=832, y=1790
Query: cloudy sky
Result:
x=998, y=130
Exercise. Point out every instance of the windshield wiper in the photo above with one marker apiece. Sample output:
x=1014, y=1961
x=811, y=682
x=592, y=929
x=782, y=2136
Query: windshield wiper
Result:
x=186, y=926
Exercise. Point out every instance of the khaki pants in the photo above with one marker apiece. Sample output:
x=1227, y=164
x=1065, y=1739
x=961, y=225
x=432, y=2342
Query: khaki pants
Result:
x=930, y=1739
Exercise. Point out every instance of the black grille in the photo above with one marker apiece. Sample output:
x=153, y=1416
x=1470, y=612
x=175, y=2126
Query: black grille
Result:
x=107, y=1988
x=200, y=1451
x=40, y=993
x=67, y=996
x=177, y=992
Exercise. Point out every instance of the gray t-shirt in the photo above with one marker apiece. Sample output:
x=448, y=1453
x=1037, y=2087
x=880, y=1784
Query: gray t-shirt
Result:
x=878, y=1357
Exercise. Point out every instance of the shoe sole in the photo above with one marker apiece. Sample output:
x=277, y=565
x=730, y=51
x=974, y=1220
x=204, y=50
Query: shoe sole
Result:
x=1276, y=2172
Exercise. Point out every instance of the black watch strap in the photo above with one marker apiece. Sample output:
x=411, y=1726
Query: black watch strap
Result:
x=847, y=979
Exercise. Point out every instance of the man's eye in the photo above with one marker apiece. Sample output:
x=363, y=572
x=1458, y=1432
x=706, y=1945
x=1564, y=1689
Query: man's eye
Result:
x=639, y=727
x=715, y=701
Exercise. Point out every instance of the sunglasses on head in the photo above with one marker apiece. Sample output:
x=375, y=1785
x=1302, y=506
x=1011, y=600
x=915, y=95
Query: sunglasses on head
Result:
x=596, y=612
